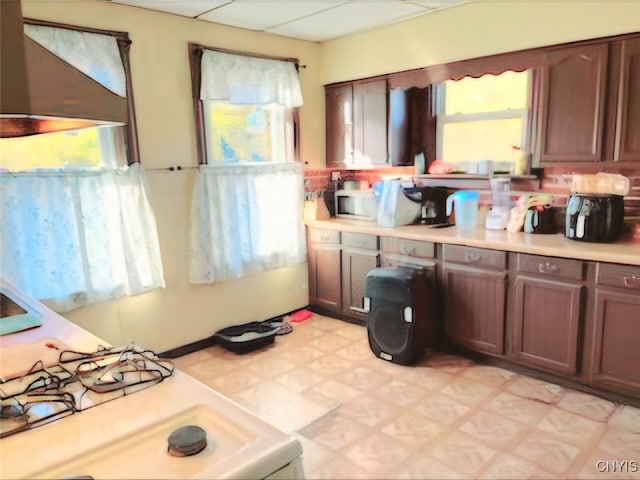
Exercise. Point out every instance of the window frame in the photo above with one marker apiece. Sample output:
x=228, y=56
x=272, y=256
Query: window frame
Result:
x=195, y=58
x=525, y=114
x=124, y=46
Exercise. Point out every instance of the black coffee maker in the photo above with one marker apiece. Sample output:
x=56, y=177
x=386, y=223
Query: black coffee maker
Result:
x=434, y=203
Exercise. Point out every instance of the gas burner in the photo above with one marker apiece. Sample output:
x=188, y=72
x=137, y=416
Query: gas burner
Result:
x=187, y=441
x=79, y=381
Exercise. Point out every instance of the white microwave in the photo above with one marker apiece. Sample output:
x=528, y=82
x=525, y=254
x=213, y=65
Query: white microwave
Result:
x=357, y=204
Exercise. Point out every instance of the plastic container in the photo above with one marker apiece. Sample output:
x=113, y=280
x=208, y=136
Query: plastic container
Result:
x=466, y=207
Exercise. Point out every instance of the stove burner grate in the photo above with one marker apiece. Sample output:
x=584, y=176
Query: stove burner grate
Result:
x=79, y=381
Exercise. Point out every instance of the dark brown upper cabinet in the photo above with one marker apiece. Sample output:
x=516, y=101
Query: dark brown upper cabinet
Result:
x=356, y=124
x=589, y=104
x=339, y=136
x=626, y=140
x=571, y=105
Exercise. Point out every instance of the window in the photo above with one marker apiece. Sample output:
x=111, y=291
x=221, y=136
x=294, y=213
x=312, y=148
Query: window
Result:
x=483, y=119
x=246, y=212
x=84, y=149
x=248, y=133
x=77, y=226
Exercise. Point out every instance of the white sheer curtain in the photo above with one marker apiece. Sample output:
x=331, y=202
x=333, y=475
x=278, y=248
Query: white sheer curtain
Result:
x=78, y=238
x=247, y=218
x=72, y=237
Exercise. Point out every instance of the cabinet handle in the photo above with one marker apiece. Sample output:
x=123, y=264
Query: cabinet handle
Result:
x=359, y=310
x=547, y=267
x=325, y=238
x=632, y=281
x=409, y=251
x=472, y=257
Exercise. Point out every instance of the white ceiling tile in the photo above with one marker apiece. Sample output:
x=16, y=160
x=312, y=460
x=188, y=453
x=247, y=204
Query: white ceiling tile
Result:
x=187, y=8
x=260, y=15
x=348, y=18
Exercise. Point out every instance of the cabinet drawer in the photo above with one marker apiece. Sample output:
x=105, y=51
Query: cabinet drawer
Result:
x=552, y=266
x=411, y=248
x=320, y=235
x=625, y=276
x=360, y=240
x=476, y=257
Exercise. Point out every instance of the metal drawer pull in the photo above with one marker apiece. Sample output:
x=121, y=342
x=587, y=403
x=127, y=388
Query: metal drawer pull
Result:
x=632, y=281
x=547, y=267
x=472, y=257
x=409, y=251
x=359, y=310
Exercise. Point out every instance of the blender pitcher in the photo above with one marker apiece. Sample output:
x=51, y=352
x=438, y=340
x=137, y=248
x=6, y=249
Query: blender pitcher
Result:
x=498, y=216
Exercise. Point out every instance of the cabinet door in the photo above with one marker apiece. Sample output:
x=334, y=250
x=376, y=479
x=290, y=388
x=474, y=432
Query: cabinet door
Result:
x=546, y=323
x=627, y=139
x=572, y=105
x=616, y=356
x=474, y=308
x=370, y=123
x=355, y=266
x=339, y=120
x=324, y=276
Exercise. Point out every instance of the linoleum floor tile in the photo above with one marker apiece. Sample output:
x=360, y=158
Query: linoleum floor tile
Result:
x=626, y=417
x=494, y=430
x=570, y=427
x=588, y=406
x=421, y=467
x=542, y=448
x=462, y=453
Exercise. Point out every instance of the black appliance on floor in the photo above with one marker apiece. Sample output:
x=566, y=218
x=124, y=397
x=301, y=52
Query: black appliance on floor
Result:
x=400, y=320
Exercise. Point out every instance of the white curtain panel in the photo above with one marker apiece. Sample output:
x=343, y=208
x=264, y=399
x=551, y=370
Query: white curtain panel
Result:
x=246, y=219
x=75, y=239
x=95, y=55
x=240, y=79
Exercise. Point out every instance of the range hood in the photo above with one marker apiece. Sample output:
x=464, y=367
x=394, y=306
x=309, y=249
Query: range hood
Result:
x=40, y=92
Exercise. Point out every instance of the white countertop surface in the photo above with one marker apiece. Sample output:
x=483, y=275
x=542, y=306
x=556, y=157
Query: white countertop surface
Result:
x=240, y=444
x=554, y=245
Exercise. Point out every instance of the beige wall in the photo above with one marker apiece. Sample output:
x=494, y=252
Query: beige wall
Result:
x=472, y=30
x=183, y=313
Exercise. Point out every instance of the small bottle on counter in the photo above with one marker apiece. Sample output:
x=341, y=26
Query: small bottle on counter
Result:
x=521, y=161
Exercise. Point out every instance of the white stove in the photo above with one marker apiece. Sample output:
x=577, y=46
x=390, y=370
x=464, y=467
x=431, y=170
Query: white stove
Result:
x=109, y=413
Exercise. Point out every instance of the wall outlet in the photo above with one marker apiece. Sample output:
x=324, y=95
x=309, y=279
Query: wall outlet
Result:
x=335, y=176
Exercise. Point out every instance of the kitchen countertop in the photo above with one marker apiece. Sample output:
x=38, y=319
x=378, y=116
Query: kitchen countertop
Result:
x=554, y=245
x=118, y=436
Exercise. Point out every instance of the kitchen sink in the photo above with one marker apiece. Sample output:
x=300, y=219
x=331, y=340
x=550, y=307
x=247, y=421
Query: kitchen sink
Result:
x=144, y=453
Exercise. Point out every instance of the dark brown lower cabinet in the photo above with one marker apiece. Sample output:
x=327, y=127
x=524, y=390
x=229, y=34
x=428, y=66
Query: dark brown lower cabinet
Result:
x=474, y=308
x=355, y=266
x=615, y=364
x=324, y=276
x=324, y=263
x=545, y=323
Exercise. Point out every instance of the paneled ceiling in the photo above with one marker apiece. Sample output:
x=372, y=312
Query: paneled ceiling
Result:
x=311, y=20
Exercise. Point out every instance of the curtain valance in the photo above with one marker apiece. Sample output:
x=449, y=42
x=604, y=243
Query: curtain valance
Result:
x=476, y=67
x=95, y=55
x=241, y=79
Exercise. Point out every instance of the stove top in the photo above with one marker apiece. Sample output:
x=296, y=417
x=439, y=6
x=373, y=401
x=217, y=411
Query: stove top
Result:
x=80, y=380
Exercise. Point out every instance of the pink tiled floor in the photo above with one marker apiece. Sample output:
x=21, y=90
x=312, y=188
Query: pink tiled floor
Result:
x=361, y=417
